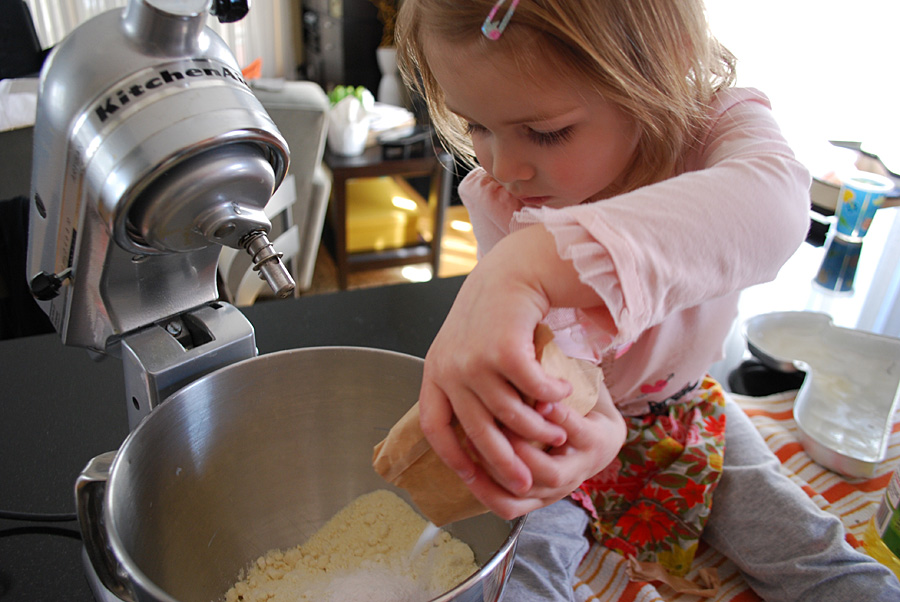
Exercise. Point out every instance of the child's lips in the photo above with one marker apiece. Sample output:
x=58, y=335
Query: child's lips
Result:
x=534, y=200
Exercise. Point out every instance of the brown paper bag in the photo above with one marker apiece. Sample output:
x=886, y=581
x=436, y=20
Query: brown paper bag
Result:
x=405, y=458
x=706, y=586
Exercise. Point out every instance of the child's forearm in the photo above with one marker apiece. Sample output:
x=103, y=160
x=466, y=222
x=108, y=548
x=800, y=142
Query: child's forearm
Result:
x=531, y=256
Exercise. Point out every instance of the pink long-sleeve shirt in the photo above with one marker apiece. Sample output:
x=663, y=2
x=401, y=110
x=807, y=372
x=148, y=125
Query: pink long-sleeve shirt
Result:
x=668, y=261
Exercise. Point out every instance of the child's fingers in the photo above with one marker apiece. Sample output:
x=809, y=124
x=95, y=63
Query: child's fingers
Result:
x=565, y=417
x=485, y=438
x=436, y=419
x=594, y=440
x=505, y=404
x=534, y=382
x=583, y=431
x=500, y=501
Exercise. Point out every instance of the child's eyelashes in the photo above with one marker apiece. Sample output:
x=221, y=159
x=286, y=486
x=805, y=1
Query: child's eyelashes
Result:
x=550, y=138
x=538, y=137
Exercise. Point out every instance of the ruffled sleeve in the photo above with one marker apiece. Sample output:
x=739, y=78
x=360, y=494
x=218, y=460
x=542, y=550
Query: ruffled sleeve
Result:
x=490, y=208
x=729, y=222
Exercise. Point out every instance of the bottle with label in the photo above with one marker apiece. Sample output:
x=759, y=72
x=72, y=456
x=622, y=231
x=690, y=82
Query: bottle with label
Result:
x=882, y=536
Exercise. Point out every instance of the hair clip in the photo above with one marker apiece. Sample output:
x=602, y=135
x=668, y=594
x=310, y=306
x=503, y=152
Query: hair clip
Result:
x=491, y=29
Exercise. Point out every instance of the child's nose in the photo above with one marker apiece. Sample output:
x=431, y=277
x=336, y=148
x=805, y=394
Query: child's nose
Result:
x=510, y=164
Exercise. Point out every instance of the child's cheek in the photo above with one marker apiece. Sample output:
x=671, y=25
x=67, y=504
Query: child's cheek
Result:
x=482, y=153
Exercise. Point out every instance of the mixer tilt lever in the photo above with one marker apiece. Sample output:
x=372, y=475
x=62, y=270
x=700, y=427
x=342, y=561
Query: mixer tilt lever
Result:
x=268, y=263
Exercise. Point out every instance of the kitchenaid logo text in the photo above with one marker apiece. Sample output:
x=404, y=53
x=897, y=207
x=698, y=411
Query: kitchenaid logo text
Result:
x=163, y=77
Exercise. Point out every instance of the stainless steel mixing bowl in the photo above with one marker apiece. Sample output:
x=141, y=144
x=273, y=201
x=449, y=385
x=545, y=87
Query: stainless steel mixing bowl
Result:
x=256, y=456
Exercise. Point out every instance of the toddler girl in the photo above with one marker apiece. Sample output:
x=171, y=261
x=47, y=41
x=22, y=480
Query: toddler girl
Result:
x=623, y=193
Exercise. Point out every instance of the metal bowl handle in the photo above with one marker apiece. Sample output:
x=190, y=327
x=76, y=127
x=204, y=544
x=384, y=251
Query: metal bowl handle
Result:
x=90, y=490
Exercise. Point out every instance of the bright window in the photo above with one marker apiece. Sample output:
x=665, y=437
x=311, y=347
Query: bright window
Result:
x=828, y=66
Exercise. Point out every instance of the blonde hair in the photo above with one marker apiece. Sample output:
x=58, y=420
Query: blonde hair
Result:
x=654, y=59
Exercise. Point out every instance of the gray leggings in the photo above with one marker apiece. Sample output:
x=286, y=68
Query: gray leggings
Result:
x=786, y=547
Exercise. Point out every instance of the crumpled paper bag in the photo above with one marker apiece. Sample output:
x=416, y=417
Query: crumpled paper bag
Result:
x=405, y=458
x=706, y=586
x=348, y=124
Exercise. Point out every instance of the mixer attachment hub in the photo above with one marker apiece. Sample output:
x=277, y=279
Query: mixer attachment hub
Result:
x=268, y=263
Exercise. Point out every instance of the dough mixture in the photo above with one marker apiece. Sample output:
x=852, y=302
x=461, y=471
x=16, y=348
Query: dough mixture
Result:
x=363, y=553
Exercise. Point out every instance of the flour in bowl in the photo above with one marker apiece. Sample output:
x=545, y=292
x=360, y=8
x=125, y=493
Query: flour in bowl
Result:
x=363, y=553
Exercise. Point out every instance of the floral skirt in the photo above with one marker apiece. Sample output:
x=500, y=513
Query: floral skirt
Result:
x=652, y=502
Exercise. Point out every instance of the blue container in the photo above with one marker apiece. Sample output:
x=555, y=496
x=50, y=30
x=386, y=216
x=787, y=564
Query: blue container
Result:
x=838, y=269
x=860, y=196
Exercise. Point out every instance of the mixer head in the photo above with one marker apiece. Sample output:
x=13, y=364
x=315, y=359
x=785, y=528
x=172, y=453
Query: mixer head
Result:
x=150, y=153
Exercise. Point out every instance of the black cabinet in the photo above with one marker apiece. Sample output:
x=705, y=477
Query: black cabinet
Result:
x=339, y=42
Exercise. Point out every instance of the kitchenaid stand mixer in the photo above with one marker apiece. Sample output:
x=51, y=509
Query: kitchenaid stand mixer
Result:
x=150, y=152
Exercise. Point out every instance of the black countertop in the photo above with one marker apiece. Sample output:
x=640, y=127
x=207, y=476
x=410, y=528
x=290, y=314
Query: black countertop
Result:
x=59, y=408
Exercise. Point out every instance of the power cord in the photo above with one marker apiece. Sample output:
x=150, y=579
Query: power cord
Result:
x=38, y=517
x=39, y=529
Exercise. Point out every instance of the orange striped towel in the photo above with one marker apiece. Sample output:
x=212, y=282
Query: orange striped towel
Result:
x=602, y=576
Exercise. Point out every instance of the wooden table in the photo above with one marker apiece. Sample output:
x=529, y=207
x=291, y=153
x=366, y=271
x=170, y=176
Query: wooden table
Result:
x=436, y=164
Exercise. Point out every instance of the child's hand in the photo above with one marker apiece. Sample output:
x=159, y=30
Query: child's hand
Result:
x=592, y=443
x=483, y=360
